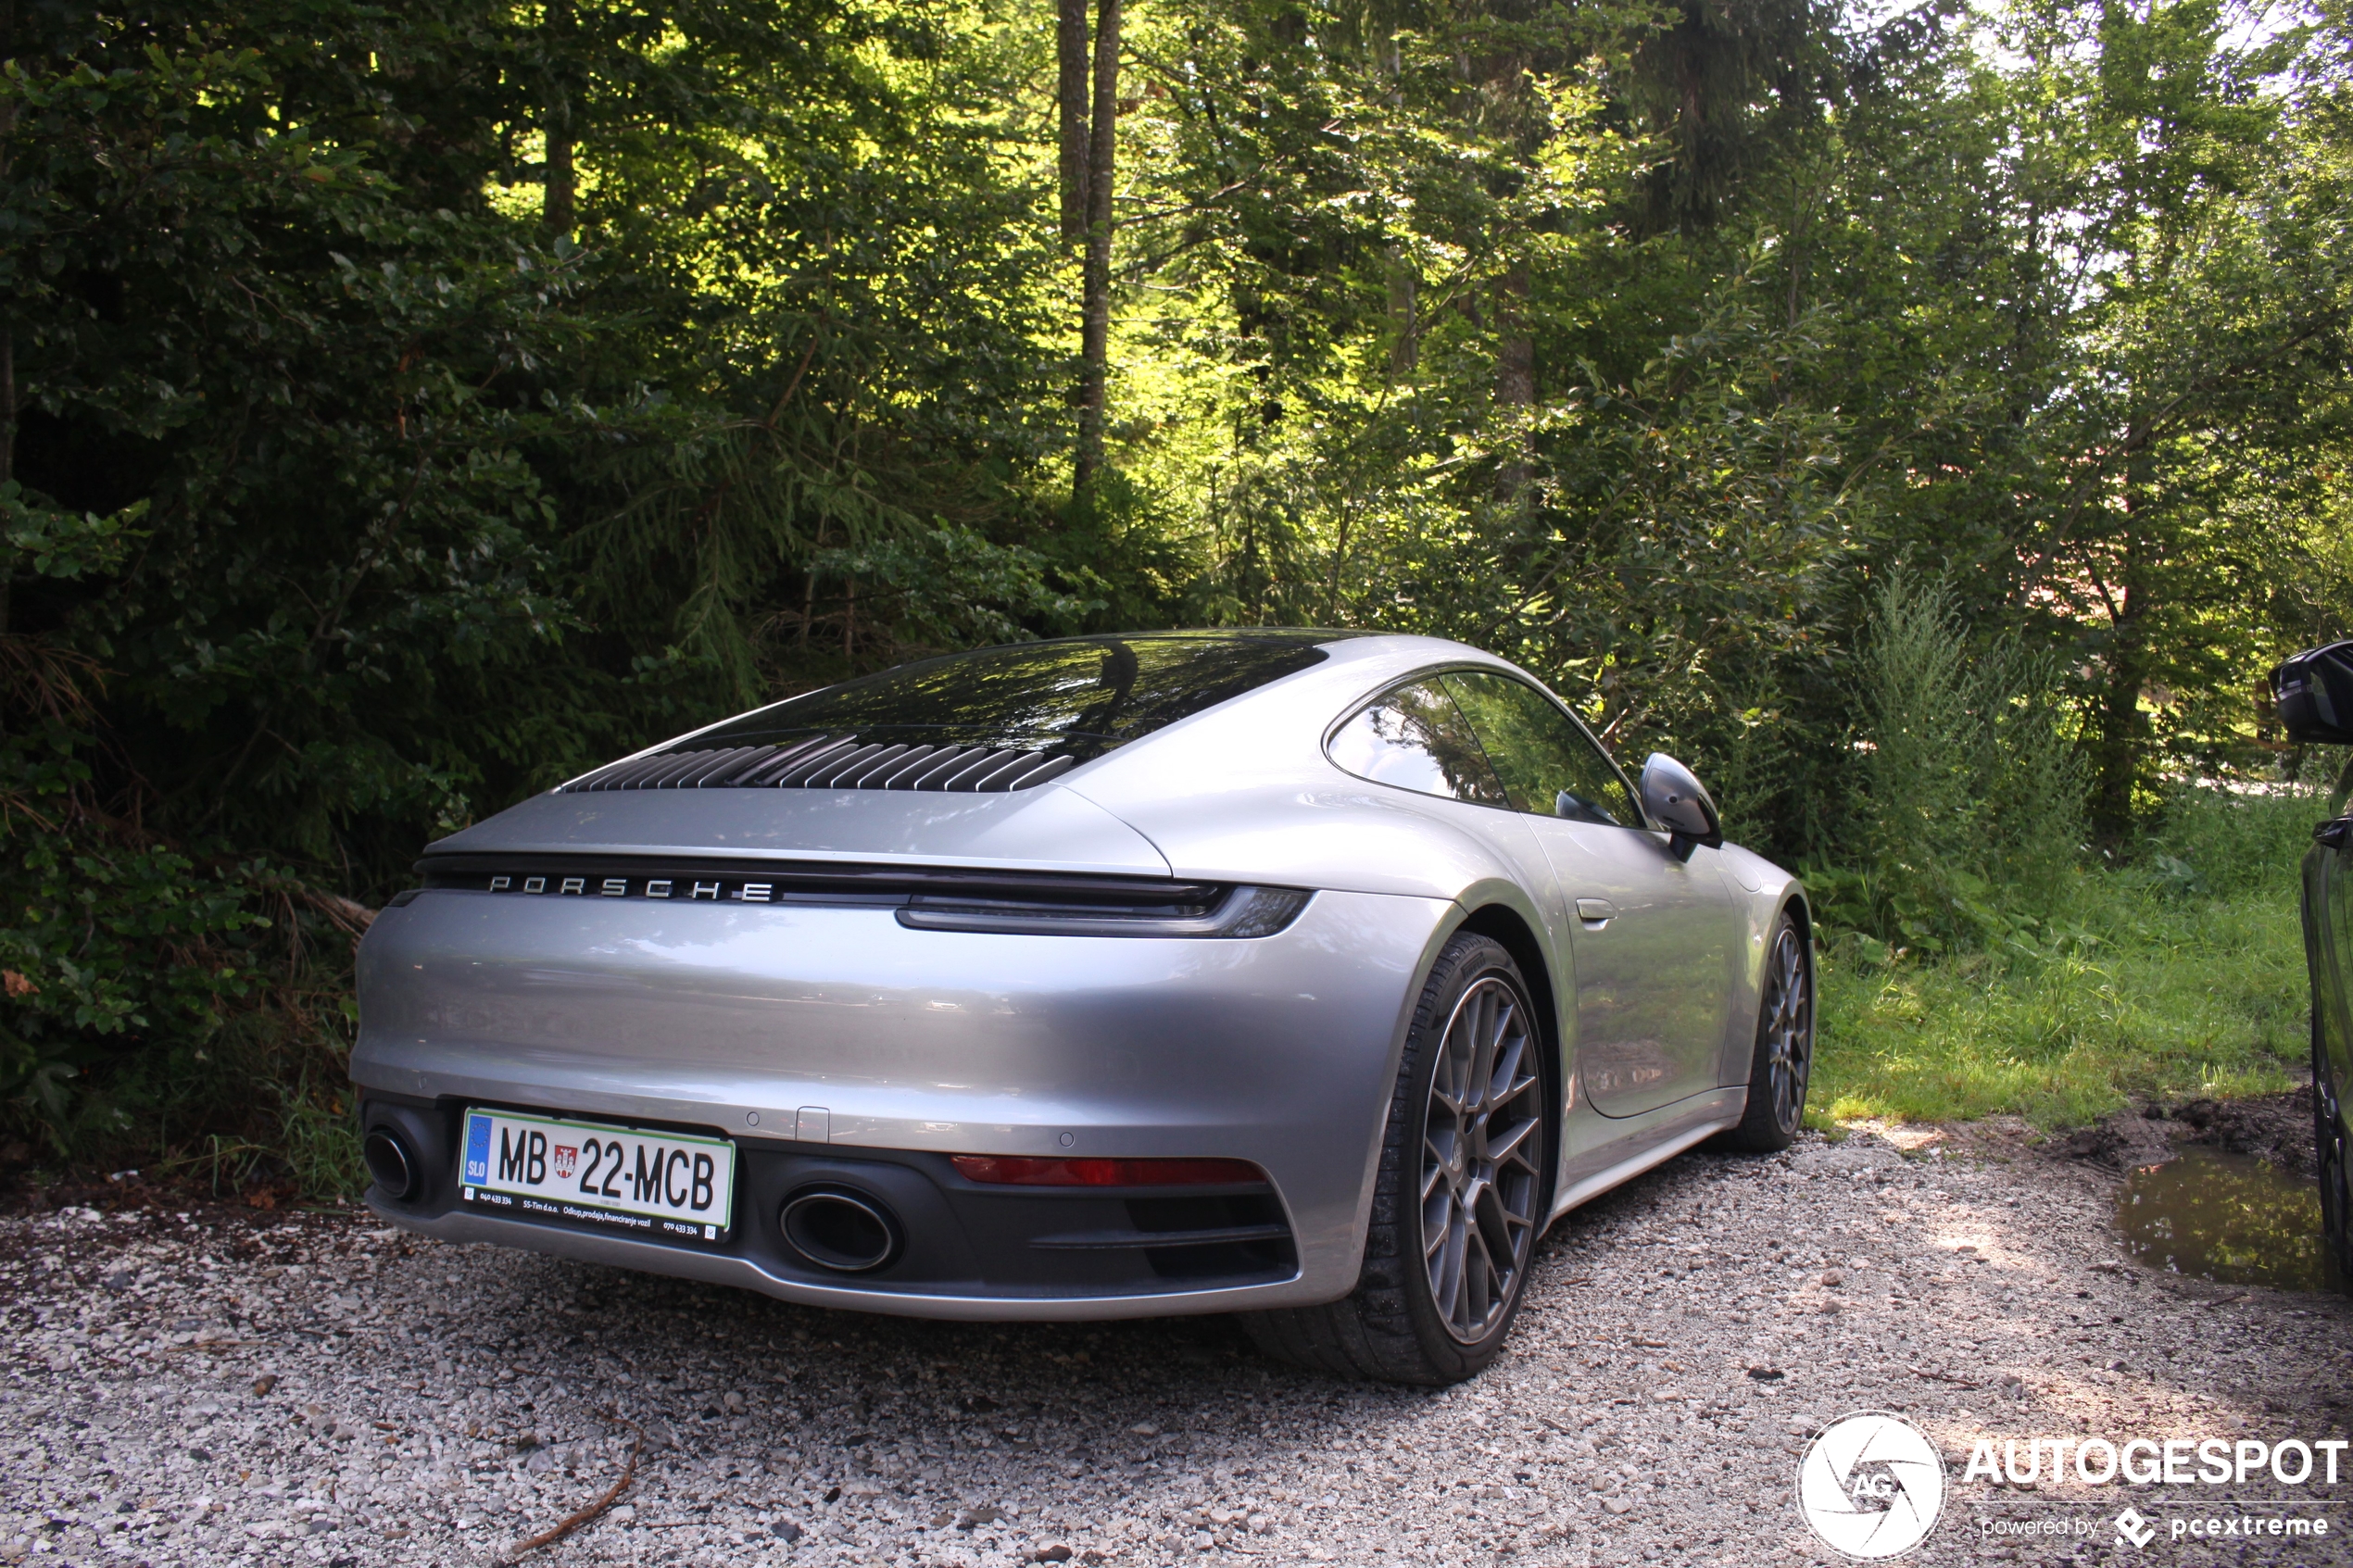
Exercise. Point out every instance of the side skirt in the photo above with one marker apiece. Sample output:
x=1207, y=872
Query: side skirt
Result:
x=1716, y=1111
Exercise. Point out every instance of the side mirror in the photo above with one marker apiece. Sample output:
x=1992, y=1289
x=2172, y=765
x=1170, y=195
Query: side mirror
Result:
x=1678, y=803
x=2314, y=692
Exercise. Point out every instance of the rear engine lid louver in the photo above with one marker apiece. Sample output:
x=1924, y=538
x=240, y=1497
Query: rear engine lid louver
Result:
x=985, y=721
x=833, y=761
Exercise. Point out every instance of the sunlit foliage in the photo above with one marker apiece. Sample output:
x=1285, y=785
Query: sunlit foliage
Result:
x=403, y=407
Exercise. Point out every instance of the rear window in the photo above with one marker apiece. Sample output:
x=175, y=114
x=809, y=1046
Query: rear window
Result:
x=1079, y=697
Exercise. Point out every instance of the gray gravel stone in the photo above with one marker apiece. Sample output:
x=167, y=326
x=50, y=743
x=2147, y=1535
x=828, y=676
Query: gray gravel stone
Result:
x=223, y=1388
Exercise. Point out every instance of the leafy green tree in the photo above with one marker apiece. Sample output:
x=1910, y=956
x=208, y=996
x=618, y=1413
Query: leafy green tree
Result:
x=403, y=408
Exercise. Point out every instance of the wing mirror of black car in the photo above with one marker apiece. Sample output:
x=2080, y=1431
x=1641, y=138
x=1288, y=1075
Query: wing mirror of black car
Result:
x=2314, y=694
x=1677, y=802
x=2333, y=833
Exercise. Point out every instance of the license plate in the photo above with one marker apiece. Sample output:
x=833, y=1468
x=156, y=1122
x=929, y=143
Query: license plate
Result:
x=673, y=1186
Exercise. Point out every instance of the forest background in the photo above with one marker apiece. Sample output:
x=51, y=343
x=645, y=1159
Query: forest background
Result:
x=1929, y=424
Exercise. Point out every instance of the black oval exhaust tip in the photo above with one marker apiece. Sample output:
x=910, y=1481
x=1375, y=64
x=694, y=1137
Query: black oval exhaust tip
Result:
x=389, y=1162
x=838, y=1229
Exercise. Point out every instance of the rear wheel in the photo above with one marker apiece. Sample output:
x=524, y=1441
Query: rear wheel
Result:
x=2329, y=1145
x=1459, y=1194
x=1784, y=1061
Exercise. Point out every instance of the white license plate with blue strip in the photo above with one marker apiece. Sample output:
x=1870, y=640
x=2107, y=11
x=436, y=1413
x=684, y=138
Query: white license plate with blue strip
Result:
x=662, y=1185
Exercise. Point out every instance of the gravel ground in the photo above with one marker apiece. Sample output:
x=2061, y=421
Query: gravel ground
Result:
x=235, y=1387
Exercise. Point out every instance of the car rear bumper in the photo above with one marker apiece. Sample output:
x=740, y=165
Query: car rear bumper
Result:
x=717, y=1268
x=836, y=1045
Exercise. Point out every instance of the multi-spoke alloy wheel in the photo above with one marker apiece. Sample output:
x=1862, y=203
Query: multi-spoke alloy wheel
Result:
x=1789, y=1029
x=1784, y=1057
x=1480, y=1142
x=1461, y=1192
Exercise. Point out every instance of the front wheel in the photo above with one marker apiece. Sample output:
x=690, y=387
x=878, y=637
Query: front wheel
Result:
x=1783, y=1060
x=2329, y=1145
x=1460, y=1193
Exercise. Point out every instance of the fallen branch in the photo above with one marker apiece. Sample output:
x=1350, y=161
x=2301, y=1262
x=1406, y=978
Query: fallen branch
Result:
x=354, y=917
x=571, y=1521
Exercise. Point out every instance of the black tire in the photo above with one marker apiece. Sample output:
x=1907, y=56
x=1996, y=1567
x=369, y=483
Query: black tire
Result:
x=1394, y=1328
x=2331, y=1156
x=1782, y=1063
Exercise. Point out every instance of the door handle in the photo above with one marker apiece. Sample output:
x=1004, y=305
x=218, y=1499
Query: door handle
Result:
x=1595, y=912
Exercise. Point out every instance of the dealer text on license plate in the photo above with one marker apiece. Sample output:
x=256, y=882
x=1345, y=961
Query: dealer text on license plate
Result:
x=662, y=1184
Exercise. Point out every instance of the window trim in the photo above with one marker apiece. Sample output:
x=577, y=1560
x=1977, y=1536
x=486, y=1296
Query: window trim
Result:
x=1510, y=672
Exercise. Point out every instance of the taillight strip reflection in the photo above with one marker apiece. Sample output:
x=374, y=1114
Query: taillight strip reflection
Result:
x=1003, y=1170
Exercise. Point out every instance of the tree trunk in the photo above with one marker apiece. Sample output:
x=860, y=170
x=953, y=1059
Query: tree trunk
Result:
x=562, y=184
x=1405, y=314
x=2122, y=735
x=8, y=439
x=1515, y=377
x=1095, y=329
x=8, y=327
x=8, y=393
x=1070, y=104
x=1504, y=96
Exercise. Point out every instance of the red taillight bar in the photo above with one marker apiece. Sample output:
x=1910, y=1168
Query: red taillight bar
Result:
x=1013, y=1170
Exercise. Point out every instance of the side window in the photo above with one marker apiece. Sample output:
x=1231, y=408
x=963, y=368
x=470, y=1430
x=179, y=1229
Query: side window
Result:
x=1414, y=736
x=1547, y=762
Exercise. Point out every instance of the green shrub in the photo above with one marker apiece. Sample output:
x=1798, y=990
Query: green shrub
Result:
x=1971, y=810
x=2225, y=840
x=155, y=995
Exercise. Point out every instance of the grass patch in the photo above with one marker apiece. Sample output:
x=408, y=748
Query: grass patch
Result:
x=2183, y=975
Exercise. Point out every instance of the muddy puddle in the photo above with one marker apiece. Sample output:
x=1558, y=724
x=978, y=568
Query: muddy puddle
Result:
x=2227, y=1217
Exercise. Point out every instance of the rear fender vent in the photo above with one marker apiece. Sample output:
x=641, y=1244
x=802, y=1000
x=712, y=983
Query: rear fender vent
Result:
x=833, y=762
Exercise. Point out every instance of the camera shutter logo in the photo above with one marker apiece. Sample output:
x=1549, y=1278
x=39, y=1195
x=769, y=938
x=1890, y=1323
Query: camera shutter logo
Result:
x=1871, y=1485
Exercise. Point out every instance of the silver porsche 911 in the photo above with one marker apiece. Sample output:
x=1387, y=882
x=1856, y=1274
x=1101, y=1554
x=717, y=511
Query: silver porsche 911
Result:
x=1306, y=975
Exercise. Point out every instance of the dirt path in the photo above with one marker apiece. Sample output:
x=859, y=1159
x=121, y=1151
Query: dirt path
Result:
x=194, y=1390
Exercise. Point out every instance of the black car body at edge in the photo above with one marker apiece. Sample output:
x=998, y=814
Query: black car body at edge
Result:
x=2314, y=694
